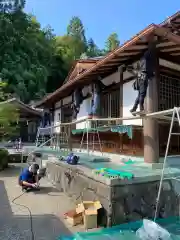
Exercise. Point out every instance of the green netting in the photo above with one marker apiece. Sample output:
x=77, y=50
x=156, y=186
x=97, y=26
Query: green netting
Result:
x=123, y=129
x=117, y=129
x=127, y=231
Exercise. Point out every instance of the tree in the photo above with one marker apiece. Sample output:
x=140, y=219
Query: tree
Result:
x=77, y=38
x=11, y=5
x=112, y=42
x=92, y=49
x=26, y=56
x=69, y=48
x=84, y=56
x=76, y=29
x=3, y=95
x=9, y=115
x=8, y=124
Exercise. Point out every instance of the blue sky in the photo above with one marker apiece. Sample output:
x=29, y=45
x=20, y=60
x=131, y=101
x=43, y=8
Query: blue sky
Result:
x=102, y=17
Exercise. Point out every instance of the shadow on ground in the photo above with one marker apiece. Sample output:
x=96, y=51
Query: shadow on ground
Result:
x=16, y=224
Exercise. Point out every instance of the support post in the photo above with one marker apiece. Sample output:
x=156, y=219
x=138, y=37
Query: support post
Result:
x=151, y=129
x=120, y=71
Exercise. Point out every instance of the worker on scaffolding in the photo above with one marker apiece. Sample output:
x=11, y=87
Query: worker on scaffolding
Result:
x=77, y=101
x=29, y=178
x=97, y=88
x=46, y=119
x=143, y=72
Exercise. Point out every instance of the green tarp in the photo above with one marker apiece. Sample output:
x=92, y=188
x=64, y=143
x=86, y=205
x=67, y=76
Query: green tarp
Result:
x=117, y=129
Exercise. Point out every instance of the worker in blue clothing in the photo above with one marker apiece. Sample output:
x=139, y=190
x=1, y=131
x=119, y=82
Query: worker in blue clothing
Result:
x=29, y=178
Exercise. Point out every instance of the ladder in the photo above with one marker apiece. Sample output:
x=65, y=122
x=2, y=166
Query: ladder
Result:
x=175, y=118
x=95, y=132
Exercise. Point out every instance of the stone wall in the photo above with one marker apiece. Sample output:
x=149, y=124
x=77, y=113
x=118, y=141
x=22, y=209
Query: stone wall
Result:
x=121, y=203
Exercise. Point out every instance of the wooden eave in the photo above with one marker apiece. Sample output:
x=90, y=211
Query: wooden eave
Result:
x=168, y=46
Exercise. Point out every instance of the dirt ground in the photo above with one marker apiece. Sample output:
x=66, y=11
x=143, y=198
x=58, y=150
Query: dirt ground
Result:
x=47, y=208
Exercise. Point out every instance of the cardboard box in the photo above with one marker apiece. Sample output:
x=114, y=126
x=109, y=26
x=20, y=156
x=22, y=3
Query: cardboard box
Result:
x=73, y=217
x=89, y=210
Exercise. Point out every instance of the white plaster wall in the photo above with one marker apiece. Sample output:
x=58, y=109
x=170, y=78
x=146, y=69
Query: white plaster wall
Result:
x=83, y=113
x=58, y=104
x=56, y=120
x=129, y=96
x=86, y=105
x=111, y=78
x=67, y=100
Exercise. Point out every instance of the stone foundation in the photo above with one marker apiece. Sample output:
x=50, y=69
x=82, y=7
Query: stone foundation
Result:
x=122, y=201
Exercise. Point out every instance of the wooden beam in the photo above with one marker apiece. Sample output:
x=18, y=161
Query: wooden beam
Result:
x=169, y=57
x=121, y=71
x=166, y=33
x=170, y=49
x=165, y=44
x=169, y=71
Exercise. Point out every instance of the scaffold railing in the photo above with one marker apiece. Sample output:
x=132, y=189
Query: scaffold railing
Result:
x=164, y=115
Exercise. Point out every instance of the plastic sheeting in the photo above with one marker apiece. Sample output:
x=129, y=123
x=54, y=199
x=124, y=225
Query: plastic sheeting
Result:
x=127, y=231
x=116, y=129
x=123, y=129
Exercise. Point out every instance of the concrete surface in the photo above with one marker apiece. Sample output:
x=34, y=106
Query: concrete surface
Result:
x=47, y=208
x=122, y=200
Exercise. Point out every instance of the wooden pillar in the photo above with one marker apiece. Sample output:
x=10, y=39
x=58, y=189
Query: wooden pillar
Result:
x=120, y=70
x=151, y=128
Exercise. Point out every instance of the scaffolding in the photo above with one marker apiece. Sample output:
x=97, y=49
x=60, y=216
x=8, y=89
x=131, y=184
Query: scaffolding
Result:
x=175, y=118
x=57, y=140
x=172, y=115
x=164, y=115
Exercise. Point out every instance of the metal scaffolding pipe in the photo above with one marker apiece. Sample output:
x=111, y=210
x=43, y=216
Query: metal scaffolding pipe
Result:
x=157, y=115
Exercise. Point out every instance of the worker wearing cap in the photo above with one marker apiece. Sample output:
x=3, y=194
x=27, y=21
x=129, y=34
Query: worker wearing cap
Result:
x=28, y=178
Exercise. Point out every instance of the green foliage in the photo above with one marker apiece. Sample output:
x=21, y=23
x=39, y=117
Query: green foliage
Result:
x=3, y=158
x=76, y=29
x=11, y=5
x=3, y=94
x=70, y=48
x=73, y=44
x=9, y=117
x=112, y=42
x=33, y=61
x=28, y=57
x=92, y=49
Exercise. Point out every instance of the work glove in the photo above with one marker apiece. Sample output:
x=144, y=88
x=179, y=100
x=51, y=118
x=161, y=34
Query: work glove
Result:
x=35, y=185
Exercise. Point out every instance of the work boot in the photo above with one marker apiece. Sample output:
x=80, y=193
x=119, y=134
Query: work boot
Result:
x=133, y=110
